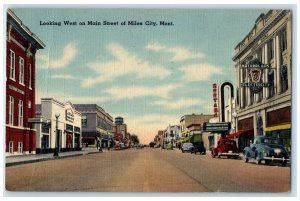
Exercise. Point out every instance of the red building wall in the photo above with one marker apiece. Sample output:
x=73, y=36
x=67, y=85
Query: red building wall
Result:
x=23, y=45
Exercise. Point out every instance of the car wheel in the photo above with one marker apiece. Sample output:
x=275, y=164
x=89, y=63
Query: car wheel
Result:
x=246, y=159
x=213, y=154
x=267, y=162
x=204, y=153
x=284, y=163
x=257, y=161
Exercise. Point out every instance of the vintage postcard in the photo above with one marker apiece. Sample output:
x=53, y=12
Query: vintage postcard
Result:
x=148, y=100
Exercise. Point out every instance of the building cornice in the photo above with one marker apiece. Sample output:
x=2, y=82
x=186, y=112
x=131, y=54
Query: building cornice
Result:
x=261, y=34
x=23, y=30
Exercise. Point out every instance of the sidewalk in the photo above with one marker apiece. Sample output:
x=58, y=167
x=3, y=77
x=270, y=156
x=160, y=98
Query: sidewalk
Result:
x=23, y=159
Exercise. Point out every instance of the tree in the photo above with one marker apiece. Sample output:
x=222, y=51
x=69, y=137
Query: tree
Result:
x=135, y=139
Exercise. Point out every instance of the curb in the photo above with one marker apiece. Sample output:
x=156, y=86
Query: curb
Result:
x=40, y=160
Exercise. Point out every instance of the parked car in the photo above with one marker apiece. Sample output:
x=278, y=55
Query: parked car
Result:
x=226, y=147
x=186, y=147
x=157, y=146
x=198, y=147
x=118, y=146
x=266, y=149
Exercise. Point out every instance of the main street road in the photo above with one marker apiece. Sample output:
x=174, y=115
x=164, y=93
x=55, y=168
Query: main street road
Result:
x=147, y=170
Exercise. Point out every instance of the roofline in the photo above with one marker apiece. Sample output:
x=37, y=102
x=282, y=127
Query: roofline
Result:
x=26, y=29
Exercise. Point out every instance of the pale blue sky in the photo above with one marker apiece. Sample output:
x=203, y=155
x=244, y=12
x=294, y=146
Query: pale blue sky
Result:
x=150, y=75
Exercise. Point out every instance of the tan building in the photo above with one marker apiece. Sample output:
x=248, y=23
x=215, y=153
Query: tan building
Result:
x=266, y=111
x=160, y=134
x=191, y=119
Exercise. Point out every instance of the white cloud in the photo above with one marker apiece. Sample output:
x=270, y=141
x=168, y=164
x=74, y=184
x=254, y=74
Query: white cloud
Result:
x=179, y=53
x=125, y=64
x=63, y=76
x=139, y=91
x=68, y=55
x=178, y=104
x=155, y=47
x=199, y=72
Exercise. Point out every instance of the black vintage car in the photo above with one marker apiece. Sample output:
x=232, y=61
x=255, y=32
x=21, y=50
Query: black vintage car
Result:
x=266, y=149
x=198, y=147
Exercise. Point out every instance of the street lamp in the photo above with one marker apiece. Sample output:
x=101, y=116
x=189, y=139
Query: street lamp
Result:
x=56, y=135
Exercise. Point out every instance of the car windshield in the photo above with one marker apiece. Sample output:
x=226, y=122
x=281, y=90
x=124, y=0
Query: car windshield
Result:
x=229, y=143
x=269, y=140
x=187, y=144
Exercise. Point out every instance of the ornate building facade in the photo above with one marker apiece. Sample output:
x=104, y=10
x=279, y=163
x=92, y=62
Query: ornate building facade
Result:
x=264, y=59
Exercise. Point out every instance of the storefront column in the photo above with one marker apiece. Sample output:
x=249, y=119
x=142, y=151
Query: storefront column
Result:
x=265, y=56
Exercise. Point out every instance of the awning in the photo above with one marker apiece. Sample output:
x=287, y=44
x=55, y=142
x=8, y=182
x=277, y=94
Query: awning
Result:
x=280, y=127
x=246, y=134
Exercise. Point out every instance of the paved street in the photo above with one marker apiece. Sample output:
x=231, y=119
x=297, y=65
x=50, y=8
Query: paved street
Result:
x=147, y=170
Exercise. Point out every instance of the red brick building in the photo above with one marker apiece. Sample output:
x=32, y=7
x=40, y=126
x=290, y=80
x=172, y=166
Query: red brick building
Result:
x=21, y=46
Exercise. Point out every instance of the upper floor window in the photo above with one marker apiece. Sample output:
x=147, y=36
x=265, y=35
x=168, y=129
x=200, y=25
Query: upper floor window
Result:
x=283, y=40
x=20, y=116
x=21, y=70
x=11, y=111
x=30, y=77
x=271, y=49
x=12, y=67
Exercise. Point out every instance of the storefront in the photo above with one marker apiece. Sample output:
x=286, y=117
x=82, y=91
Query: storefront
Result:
x=279, y=126
x=51, y=115
x=242, y=138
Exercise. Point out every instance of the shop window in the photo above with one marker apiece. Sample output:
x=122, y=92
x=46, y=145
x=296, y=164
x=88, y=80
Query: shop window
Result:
x=20, y=147
x=11, y=147
x=45, y=142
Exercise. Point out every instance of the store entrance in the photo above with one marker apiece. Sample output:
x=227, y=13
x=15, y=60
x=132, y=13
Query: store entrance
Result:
x=69, y=141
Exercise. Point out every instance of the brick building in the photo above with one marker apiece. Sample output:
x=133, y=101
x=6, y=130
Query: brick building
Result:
x=21, y=45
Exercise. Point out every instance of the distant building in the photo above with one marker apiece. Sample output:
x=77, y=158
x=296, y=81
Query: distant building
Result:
x=120, y=130
x=188, y=120
x=172, y=134
x=21, y=47
x=160, y=134
x=269, y=43
x=69, y=126
x=97, y=125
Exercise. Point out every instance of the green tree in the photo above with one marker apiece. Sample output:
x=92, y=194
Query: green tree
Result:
x=135, y=139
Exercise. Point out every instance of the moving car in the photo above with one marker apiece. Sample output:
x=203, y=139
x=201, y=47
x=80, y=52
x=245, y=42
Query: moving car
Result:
x=226, y=147
x=198, y=147
x=266, y=149
x=186, y=147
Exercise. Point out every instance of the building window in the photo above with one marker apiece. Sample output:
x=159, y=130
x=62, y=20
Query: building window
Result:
x=20, y=147
x=271, y=49
x=283, y=40
x=11, y=147
x=83, y=121
x=30, y=77
x=284, y=78
x=20, y=119
x=12, y=65
x=271, y=81
x=29, y=104
x=21, y=70
x=11, y=111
